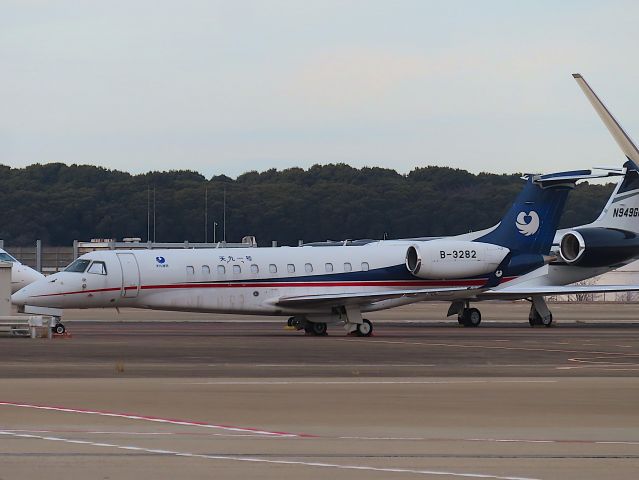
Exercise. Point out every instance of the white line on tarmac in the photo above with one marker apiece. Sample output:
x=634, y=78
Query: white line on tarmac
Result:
x=323, y=365
x=152, y=419
x=267, y=461
x=488, y=347
x=342, y=437
x=357, y=382
x=111, y=432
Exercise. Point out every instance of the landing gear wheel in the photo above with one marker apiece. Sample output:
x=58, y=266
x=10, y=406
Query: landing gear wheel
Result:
x=59, y=329
x=290, y=322
x=537, y=320
x=365, y=329
x=471, y=317
x=316, y=329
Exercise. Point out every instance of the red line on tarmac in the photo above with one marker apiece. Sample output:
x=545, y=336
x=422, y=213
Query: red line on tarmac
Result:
x=148, y=418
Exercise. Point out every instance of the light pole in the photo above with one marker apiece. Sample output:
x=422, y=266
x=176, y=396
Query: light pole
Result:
x=214, y=225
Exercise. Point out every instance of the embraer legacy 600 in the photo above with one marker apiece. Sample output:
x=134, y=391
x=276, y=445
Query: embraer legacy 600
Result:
x=317, y=286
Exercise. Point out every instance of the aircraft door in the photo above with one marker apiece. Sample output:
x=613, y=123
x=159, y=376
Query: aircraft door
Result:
x=130, y=275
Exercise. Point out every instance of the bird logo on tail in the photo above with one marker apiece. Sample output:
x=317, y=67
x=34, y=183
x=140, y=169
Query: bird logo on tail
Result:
x=528, y=223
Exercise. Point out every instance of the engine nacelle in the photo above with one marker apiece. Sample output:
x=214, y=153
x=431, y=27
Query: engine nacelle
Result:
x=598, y=247
x=445, y=259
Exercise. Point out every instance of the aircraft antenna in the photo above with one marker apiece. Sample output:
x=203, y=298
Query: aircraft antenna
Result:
x=206, y=214
x=148, y=212
x=153, y=213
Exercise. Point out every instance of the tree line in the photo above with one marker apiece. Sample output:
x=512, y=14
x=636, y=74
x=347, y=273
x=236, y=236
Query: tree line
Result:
x=58, y=203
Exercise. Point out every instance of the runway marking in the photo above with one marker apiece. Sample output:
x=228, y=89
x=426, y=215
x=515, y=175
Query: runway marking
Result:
x=263, y=460
x=600, y=362
x=148, y=418
x=488, y=347
x=111, y=432
x=323, y=365
x=357, y=382
x=341, y=437
x=495, y=440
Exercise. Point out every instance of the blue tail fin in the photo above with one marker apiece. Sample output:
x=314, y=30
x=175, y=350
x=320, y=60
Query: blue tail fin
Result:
x=530, y=224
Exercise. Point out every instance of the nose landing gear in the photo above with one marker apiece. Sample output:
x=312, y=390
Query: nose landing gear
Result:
x=58, y=327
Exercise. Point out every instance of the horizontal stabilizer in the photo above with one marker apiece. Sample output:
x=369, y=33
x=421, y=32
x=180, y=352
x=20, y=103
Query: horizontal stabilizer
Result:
x=576, y=175
x=618, y=133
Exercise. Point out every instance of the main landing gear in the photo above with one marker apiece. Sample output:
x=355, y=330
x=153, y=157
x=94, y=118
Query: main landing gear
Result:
x=466, y=316
x=311, y=328
x=362, y=329
x=539, y=314
x=469, y=317
x=315, y=328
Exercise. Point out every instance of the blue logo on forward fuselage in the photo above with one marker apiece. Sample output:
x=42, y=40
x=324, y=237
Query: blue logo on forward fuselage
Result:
x=161, y=262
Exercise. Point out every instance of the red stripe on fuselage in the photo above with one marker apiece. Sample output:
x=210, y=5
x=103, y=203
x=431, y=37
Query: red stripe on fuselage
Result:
x=372, y=283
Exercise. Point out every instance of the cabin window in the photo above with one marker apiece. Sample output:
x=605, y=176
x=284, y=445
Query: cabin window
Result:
x=348, y=267
x=255, y=269
x=308, y=267
x=237, y=269
x=328, y=267
x=99, y=268
x=291, y=268
x=190, y=271
x=206, y=271
x=365, y=267
x=272, y=268
x=78, y=266
x=221, y=270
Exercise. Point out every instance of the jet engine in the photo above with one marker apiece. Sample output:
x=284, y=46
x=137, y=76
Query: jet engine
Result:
x=598, y=246
x=445, y=259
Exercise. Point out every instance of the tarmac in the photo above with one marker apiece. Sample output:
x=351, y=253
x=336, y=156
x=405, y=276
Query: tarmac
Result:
x=158, y=395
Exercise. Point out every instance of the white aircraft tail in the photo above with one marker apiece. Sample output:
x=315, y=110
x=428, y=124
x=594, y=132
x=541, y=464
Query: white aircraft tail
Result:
x=622, y=209
x=618, y=133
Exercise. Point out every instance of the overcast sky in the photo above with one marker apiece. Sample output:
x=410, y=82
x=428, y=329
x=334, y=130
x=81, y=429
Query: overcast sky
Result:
x=231, y=86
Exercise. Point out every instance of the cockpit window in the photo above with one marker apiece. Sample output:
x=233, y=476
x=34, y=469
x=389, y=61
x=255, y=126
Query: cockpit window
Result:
x=98, y=268
x=5, y=257
x=78, y=266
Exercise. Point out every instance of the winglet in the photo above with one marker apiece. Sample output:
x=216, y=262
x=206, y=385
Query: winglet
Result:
x=621, y=137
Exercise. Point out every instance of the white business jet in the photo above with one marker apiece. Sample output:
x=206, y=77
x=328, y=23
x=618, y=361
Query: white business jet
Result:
x=21, y=275
x=319, y=286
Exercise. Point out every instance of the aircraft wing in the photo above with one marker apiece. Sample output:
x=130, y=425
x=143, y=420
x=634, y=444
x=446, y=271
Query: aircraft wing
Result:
x=510, y=293
x=360, y=298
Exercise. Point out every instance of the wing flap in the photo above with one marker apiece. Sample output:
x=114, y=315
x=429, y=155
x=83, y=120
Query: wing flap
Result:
x=345, y=298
